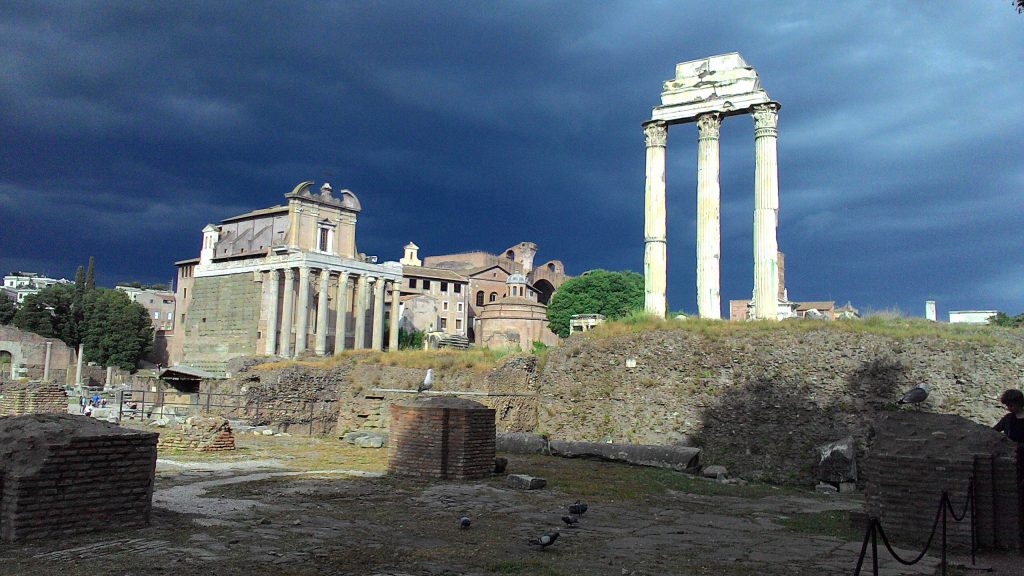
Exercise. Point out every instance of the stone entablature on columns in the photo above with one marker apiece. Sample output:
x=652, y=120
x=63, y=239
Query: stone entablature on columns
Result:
x=706, y=91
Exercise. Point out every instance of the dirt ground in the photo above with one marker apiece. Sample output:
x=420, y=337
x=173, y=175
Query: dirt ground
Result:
x=299, y=506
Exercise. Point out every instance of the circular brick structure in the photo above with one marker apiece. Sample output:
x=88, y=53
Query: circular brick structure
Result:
x=441, y=437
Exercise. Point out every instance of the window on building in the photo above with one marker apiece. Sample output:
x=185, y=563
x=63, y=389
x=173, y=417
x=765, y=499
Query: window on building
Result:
x=156, y=315
x=480, y=298
x=170, y=316
x=325, y=240
x=460, y=307
x=412, y=282
x=444, y=286
x=183, y=319
x=443, y=324
x=458, y=324
x=493, y=297
x=444, y=306
x=551, y=267
x=458, y=288
x=426, y=284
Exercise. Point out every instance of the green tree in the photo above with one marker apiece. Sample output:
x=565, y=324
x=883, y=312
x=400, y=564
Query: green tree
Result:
x=116, y=331
x=7, y=310
x=1002, y=319
x=90, y=275
x=614, y=294
x=50, y=313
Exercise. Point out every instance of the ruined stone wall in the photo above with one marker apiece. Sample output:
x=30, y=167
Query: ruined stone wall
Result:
x=915, y=456
x=68, y=474
x=199, y=434
x=222, y=321
x=32, y=398
x=759, y=400
x=28, y=353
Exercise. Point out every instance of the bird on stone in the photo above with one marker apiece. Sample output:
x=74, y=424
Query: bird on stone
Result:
x=570, y=521
x=915, y=395
x=578, y=509
x=546, y=540
x=464, y=522
x=428, y=381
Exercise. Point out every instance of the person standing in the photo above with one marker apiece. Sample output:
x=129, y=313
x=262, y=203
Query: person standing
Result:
x=81, y=404
x=1013, y=423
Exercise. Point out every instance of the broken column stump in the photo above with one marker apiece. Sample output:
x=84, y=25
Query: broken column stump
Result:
x=441, y=437
x=64, y=474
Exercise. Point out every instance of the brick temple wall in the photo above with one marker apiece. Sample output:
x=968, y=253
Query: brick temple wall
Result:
x=67, y=474
x=917, y=455
x=33, y=398
x=201, y=435
x=441, y=437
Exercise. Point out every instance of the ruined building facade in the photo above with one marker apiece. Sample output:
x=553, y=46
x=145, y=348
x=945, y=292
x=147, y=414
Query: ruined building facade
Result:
x=284, y=281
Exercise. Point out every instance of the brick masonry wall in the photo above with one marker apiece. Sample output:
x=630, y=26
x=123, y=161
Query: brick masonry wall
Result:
x=439, y=442
x=30, y=398
x=92, y=481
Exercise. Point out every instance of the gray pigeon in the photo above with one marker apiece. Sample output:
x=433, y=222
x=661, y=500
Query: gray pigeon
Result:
x=545, y=540
x=464, y=522
x=578, y=509
x=428, y=381
x=915, y=395
x=570, y=521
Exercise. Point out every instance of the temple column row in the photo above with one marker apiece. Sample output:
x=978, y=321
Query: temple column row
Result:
x=766, y=209
x=294, y=312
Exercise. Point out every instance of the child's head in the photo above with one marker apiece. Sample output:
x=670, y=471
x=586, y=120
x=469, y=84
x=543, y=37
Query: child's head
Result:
x=1013, y=399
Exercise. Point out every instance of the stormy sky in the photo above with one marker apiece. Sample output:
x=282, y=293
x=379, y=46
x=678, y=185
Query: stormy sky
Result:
x=126, y=127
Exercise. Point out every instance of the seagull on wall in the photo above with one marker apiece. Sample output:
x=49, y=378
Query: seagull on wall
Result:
x=915, y=395
x=428, y=381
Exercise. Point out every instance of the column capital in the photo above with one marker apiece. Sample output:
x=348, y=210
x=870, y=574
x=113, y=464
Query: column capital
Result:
x=708, y=125
x=766, y=117
x=655, y=133
x=289, y=273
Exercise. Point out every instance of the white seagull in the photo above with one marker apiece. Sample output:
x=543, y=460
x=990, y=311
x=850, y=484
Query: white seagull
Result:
x=428, y=381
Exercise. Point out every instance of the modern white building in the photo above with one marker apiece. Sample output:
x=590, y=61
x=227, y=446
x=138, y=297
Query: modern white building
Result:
x=18, y=285
x=971, y=316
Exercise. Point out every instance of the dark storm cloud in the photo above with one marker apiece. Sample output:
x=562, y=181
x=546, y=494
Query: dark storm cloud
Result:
x=467, y=125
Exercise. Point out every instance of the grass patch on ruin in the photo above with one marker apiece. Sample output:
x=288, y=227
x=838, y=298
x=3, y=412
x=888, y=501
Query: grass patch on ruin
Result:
x=834, y=523
x=599, y=480
x=893, y=326
x=474, y=359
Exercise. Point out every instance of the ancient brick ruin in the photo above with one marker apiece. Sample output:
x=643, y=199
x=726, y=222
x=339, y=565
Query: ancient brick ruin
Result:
x=64, y=474
x=916, y=455
x=200, y=434
x=33, y=398
x=441, y=437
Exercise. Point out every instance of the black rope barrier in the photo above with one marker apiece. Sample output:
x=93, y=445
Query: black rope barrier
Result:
x=875, y=530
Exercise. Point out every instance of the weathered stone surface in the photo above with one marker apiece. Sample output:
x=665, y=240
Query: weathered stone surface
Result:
x=825, y=488
x=674, y=457
x=524, y=482
x=370, y=442
x=521, y=443
x=717, y=472
x=838, y=461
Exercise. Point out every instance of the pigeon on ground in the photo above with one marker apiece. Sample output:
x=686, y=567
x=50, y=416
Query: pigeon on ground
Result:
x=428, y=381
x=915, y=395
x=578, y=509
x=464, y=522
x=545, y=540
x=570, y=521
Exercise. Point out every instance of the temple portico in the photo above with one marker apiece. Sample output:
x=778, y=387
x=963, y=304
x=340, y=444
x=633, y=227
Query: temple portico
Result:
x=706, y=92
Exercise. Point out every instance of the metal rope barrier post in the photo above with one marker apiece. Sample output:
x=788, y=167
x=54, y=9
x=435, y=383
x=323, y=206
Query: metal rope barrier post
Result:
x=945, y=504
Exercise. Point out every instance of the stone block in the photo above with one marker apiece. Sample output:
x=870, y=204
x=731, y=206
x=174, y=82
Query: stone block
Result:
x=370, y=442
x=837, y=461
x=521, y=443
x=825, y=488
x=525, y=482
x=717, y=472
x=678, y=458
